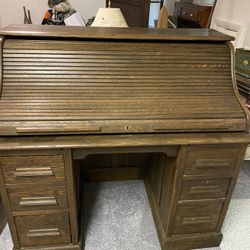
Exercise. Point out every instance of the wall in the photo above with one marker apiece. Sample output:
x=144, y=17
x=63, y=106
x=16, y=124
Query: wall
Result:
x=234, y=15
x=11, y=11
x=153, y=14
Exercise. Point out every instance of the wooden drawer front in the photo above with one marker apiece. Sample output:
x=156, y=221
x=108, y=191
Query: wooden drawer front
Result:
x=189, y=14
x=34, y=198
x=212, y=160
x=204, y=189
x=196, y=219
x=42, y=230
x=24, y=169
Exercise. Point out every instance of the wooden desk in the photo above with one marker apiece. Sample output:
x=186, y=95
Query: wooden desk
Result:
x=89, y=104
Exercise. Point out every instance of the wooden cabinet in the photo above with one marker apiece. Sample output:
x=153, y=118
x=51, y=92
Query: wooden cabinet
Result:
x=192, y=15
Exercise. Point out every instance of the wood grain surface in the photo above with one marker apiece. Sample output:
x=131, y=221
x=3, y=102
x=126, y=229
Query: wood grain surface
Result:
x=114, y=33
x=117, y=87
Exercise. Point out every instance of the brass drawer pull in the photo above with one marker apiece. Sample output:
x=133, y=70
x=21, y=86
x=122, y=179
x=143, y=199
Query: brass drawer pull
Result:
x=54, y=232
x=38, y=201
x=29, y=172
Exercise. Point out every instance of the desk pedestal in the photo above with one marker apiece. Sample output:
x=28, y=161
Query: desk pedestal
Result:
x=189, y=189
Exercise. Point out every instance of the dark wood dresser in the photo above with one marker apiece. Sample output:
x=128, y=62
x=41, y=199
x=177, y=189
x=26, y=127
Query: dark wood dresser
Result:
x=91, y=104
x=191, y=15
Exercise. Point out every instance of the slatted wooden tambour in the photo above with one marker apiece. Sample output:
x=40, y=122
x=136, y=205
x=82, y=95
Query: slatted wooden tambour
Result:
x=164, y=102
x=105, y=86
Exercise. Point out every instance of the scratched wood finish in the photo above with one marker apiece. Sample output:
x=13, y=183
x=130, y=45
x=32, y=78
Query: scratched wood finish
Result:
x=117, y=87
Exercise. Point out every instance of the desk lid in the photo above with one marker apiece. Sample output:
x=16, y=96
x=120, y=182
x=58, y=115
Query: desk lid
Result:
x=77, y=84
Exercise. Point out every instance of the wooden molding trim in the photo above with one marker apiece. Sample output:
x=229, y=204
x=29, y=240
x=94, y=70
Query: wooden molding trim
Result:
x=1, y=63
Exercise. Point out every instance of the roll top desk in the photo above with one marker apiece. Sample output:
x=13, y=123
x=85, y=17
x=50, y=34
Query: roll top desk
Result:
x=72, y=99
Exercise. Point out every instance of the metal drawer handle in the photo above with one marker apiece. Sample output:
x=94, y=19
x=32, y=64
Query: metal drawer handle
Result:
x=54, y=232
x=38, y=201
x=29, y=172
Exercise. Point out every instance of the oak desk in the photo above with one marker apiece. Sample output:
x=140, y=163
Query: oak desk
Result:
x=90, y=104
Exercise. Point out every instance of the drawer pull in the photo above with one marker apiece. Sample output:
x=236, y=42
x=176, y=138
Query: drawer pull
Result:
x=29, y=172
x=196, y=220
x=59, y=129
x=54, y=232
x=205, y=189
x=38, y=201
x=214, y=163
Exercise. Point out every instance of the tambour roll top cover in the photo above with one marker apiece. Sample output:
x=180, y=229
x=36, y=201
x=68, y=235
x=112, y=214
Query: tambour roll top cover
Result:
x=65, y=80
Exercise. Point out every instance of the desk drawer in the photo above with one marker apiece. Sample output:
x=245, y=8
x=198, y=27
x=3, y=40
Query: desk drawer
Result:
x=42, y=230
x=197, y=219
x=28, y=198
x=204, y=189
x=189, y=14
x=212, y=160
x=26, y=169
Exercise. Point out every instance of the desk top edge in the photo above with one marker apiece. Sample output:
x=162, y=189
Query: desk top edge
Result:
x=41, y=31
x=120, y=140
